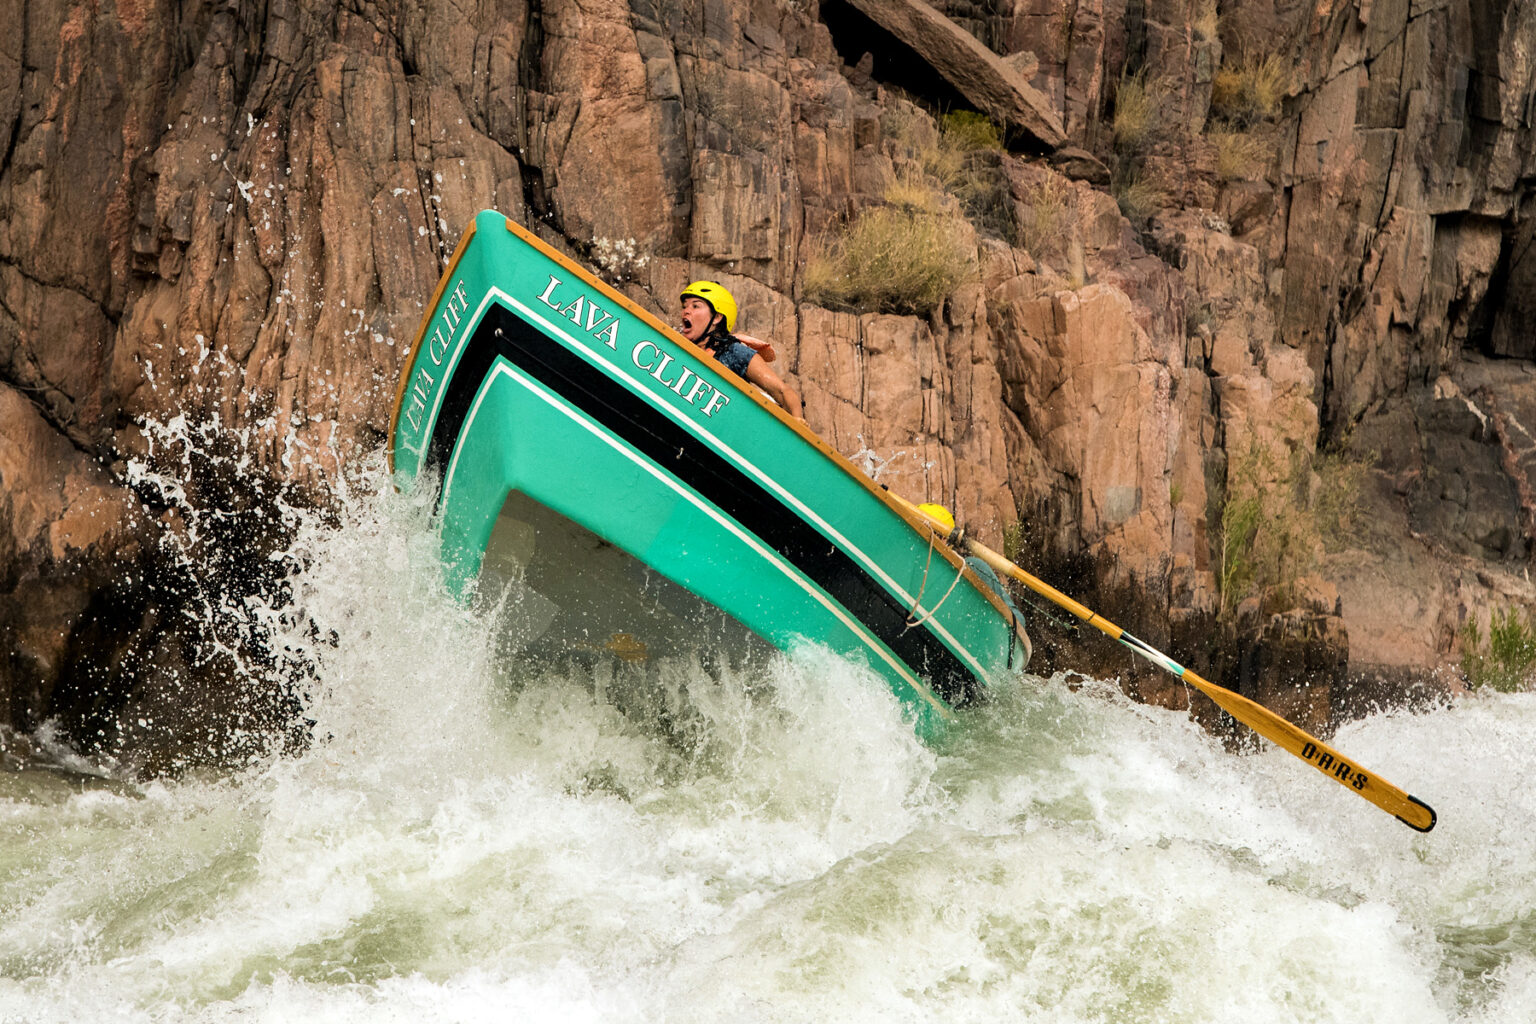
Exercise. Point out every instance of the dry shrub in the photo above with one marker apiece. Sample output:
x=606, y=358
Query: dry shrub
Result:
x=986, y=197
x=821, y=277
x=914, y=191
x=962, y=155
x=1240, y=155
x=1206, y=21
x=1338, y=507
x=1139, y=198
x=915, y=132
x=1138, y=111
x=1049, y=215
x=971, y=148
x=947, y=153
x=893, y=259
x=1252, y=91
x=946, y=165
x=907, y=124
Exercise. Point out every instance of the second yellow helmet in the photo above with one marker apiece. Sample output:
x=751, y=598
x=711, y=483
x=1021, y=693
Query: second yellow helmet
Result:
x=937, y=514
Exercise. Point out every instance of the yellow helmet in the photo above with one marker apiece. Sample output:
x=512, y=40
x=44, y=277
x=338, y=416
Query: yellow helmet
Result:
x=718, y=298
x=937, y=514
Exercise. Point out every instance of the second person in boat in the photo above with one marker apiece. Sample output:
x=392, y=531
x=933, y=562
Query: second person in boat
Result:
x=708, y=319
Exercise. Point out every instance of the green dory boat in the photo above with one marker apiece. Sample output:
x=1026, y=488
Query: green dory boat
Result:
x=648, y=503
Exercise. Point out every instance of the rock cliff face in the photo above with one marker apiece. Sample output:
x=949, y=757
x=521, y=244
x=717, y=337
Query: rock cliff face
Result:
x=235, y=213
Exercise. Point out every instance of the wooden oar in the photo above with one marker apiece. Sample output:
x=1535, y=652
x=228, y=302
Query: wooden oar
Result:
x=1409, y=810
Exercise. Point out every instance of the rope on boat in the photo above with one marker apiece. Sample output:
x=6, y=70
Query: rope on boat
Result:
x=917, y=601
x=924, y=585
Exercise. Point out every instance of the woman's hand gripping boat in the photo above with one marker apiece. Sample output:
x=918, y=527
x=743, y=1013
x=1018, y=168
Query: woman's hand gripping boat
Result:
x=650, y=503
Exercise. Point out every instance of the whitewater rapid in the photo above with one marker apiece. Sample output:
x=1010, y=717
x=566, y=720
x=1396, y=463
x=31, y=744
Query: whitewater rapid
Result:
x=463, y=843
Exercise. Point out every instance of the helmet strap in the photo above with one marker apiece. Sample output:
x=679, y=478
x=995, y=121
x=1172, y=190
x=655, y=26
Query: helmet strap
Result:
x=717, y=329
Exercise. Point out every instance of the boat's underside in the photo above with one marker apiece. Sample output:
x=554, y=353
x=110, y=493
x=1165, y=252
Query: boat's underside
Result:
x=560, y=592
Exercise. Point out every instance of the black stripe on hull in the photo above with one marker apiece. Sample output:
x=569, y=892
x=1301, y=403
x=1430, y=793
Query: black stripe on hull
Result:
x=502, y=333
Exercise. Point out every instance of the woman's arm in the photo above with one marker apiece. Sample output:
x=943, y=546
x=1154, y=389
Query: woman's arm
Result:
x=759, y=373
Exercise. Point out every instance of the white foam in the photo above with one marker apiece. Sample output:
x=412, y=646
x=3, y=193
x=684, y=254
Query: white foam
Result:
x=459, y=846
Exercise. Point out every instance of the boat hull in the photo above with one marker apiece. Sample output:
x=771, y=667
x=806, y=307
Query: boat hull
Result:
x=537, y=388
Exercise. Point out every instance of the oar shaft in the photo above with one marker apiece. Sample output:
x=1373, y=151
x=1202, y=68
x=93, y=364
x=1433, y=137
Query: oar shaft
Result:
x=1408, y=809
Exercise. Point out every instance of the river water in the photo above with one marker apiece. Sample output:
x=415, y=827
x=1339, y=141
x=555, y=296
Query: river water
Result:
x=463, y=844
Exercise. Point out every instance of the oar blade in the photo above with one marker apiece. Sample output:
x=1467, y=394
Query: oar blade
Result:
x=1409, y=810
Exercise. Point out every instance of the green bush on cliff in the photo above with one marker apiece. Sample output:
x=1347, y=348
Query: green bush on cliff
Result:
x=1242, y=513
x=1507, y=662
x=966, y=131
x=1015, y=536
x=1275, y=521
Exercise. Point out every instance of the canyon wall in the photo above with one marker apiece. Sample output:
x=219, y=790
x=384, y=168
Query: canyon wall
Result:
x=234, y=214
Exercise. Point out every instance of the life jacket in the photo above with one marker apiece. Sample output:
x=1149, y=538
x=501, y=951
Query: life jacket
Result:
x=720, y=338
